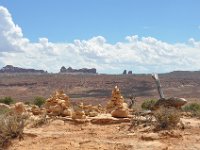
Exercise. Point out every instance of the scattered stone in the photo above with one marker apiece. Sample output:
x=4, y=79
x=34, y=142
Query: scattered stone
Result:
x=78, y=115
x=58, y=104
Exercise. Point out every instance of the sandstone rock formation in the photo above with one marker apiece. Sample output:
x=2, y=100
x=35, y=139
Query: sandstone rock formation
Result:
x=12, y=69
x=130, y=72
x=79, y=112
x=83, y=70
x=18, y=108
x=36, y=110
x=116, y=106
x=58, y=104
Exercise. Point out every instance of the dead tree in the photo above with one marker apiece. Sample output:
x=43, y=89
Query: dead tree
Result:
x=167, y=102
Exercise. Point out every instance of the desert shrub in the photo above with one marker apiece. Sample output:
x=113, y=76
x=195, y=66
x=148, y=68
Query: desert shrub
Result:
x=39, y=101
x=40, y=121
x=27, y=103
x=167, y=118
x=7, y=100
x=11, y=126
x=194, y=108
x=4, y=111
x=148, y=104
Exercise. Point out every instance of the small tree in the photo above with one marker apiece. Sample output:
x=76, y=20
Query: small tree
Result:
x=148, y=104
x=39, y=101
x=7, y=100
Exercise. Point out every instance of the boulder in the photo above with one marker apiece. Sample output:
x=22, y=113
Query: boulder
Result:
x=120, y=113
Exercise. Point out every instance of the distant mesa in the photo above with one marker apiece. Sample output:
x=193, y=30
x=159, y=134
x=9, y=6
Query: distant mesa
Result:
x=130, y=72
x=125, y=72
x=70, y=70
x=12, y=69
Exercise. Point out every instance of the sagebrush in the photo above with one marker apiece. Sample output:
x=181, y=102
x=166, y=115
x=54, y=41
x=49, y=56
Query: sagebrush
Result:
x=167, y=118
x=148, y=104
x=11, y=126
x=194, y=108
x=7, y=100
x=39, y=101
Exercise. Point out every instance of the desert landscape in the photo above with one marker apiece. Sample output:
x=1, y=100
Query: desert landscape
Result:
x=99, y=75
x=89, y=120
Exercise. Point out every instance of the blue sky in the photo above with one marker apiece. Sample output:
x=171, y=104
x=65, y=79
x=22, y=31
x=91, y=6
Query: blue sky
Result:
x=144, y=36
x=66, y=20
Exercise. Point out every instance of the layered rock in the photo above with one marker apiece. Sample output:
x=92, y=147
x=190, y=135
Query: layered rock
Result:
x=58, y=104
x=116, y=106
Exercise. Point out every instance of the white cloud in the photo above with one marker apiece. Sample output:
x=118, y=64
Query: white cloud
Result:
x=140, y=54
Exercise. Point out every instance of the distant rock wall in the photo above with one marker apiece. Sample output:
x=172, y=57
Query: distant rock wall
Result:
x=12, y=69
x=83, y=70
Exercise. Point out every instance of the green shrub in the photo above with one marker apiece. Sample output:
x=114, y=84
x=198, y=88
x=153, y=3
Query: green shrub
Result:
x=167, y=118
x=7, y=100
x=194, y=108
x=148, y=104
x=27, y=103
x=39, y=101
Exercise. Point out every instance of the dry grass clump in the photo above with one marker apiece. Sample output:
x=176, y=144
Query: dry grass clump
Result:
x=42, y=120
x=167, y=118
x=11, y=126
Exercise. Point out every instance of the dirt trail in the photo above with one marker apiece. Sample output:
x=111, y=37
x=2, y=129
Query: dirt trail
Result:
x=67, y=136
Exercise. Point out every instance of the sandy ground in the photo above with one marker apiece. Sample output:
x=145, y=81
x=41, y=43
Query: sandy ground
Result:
x=68, y=136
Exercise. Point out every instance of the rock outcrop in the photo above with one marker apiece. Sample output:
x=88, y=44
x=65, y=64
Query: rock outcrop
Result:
x=12, y=69
x=58, y=104
x=36, y=110
x=116, y=106
x=70, y=70
x=18, y=108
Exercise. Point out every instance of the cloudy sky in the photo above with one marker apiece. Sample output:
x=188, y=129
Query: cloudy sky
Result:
x=138, y=35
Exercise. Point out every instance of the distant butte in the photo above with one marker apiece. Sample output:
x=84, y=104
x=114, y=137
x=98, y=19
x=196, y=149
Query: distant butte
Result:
x=78, y=71
x=12, y=69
